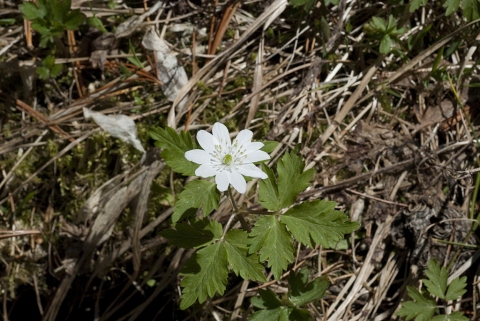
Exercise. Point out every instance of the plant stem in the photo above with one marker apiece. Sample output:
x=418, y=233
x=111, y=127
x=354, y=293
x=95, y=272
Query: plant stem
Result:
x=236, y=213
x=230, y=196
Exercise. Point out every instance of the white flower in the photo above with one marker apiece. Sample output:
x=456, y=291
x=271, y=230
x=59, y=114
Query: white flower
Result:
x=225, y=160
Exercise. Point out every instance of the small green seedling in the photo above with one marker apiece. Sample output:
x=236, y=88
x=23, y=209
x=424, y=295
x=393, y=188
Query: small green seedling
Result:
x=423, y=306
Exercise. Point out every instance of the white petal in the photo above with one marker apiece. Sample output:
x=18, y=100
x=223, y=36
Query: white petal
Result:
x=253, y=146
x=222, y=179
x=207, y=141
x=257, y=156
x=220, y=132
x=244, y=137
x=238, y=182
x=251, y=171
x=198, y=156
x=205, y=171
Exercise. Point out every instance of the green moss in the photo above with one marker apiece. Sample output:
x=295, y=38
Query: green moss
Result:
x=385, y=103
x=240, y=82
x=6, y=128
x=204, y=88
x=230, y=33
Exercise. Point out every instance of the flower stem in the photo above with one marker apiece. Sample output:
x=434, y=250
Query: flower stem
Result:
x=236, y=213
x=230, y=196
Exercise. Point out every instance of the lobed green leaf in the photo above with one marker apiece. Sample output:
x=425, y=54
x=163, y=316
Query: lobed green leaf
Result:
x=470, y=9
x=30, y=11
x=318, y=222
x=205, y=273
x=415, y=4
x=243, y=264
x=74, y=19
x=196, y=234
x=273, y=242
x=196, y=194
x=291, y=181
x=455, y=316
x=272, y=307
x=268, y=191
x=175, y=145
x=60, y=9
x=456, y=288
x=437, y=279
x=291, y=178
x=451, y=6
x=421, y=309
x=303, y=292
x=267, y=299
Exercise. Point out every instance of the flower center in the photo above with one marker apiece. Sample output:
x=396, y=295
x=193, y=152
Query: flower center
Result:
x=227, y=160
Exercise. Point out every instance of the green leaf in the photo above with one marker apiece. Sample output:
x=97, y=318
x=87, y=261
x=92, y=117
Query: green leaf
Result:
x=40, y=26
x=48, y=62
x=7, y=21
x=470, y=9
x=191, y=235
x=175, y=146
x=317, y=221
x=437, y=60
x=96, y=23
x=272, y=307
x=325, y=28
x=134, y=59
x=299, y=315
x=44, y=40
x=44, y=9
x=379, y=23
x=56, y=70
x=415, y=4
x=454, y=46
x=391, y=23
x=247, y=266
x=267, y=300
x=280, y=313
x=74, y=19
x=60, y=9
x=205, y=273
x=301, y=292
x=273, y=242
x=30, y=11
x=291, y=178
x=422, y=309
x=385, y=44
x=455, y=316
x=437, y=279
x=291, y=181
x=268, y=191
x=456, y=288
x=195, y=195
x=451, y=6
x=43, y=73
x=269, y=146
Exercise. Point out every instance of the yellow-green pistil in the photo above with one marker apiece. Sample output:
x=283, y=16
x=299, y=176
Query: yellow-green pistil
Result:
x=227, y=160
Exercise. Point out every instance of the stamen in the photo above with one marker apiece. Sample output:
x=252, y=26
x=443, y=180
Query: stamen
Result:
x=227, y=160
